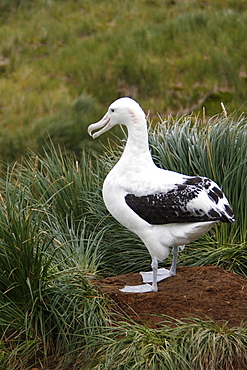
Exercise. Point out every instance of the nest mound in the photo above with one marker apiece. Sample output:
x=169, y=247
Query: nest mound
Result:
x=205, y=292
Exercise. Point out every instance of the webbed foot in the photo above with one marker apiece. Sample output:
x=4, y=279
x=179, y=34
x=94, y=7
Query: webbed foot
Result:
x=162, y=274
x=144, y=288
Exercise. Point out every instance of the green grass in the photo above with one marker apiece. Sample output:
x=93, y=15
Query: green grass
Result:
x=48, y=305
x=192, y=345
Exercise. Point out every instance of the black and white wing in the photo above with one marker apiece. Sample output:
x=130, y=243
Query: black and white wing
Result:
x=196, y=199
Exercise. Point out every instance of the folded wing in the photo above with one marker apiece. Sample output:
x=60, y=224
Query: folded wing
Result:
x=197, y=199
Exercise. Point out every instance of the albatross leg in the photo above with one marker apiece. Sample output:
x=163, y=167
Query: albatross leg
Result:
x=163, y=273
x=174, y=261
x=154, y=266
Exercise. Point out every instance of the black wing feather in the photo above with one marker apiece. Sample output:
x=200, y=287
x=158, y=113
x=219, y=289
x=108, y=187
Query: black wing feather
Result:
x=171, y=207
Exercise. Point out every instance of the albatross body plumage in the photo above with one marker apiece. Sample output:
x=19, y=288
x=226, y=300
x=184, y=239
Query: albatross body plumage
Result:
x=164, y=208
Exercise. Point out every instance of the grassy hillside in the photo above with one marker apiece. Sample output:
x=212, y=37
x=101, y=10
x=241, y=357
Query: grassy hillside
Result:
x=62, y=62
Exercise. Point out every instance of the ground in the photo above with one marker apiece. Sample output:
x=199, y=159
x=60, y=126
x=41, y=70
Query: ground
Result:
x=206, y=292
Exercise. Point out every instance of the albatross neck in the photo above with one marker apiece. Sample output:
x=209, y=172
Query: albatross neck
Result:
x=137, y=147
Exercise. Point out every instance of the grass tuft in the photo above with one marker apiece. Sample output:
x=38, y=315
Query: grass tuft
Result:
x=48, y=304
x=193, y=344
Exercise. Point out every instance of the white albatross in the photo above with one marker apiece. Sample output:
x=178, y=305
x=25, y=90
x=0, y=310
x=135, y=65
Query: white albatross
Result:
x=164, y=208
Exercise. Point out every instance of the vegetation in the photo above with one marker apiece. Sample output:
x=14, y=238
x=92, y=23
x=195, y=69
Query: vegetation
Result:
x=48, y=306
x=194, y=344
x=61, y=64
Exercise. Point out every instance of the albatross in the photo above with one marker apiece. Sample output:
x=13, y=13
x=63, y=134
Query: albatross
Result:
x=164, y=208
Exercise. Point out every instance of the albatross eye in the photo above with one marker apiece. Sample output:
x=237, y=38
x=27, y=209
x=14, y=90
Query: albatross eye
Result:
x=112, y=110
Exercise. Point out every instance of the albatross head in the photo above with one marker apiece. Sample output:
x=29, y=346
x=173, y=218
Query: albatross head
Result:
x=123, y=111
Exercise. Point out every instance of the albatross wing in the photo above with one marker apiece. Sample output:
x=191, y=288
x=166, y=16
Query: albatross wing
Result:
x=196, y=199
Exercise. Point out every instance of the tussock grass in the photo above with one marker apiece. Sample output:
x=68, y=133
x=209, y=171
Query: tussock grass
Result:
x=48, y=305
x=14, y=355
x=208, y=345
x=193, y=344
x=137, y=347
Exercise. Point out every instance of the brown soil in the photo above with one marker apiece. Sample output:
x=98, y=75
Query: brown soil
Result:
x=206, y=292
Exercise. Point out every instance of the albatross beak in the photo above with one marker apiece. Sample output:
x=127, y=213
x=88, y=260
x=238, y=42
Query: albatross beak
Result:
x=104, y=122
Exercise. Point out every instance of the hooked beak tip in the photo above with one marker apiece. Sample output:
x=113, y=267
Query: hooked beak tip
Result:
x=103, y=124
x=90, y=131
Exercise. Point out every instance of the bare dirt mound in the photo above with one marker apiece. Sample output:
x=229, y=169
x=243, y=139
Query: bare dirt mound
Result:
x=206, y=292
